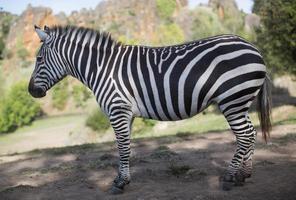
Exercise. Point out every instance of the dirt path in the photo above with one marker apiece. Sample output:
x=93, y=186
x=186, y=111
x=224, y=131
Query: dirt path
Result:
x=176, y=167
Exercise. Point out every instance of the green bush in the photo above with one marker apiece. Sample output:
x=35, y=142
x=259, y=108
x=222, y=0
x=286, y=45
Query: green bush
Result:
x=6, y=20
x=21, y=51
x=165, y=8
x=129, y=41
x=206, y=23
x=170, y=34
x=18, y=108
x=141, y=125
x=2, y=81
x=60, y=94
x=97, y=121
x=80, y=95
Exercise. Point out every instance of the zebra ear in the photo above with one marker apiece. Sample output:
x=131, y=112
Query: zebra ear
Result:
x=46, y=29
x=42, y=35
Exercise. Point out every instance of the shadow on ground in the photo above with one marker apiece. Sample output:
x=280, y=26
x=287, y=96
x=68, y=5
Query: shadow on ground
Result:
x=185, y=166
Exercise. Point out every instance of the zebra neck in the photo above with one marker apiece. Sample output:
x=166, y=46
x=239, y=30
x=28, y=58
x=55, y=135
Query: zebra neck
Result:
x=91, y=62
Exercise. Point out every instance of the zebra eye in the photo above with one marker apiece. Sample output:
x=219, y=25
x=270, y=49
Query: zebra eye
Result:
x=39, y=58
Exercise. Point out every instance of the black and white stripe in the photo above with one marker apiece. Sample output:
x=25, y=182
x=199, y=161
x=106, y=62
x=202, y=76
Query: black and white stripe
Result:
x=162, y=83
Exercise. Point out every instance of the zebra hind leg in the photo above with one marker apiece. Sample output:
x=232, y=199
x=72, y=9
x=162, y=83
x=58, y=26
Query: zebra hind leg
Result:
x=240, y=166
x=247, y=165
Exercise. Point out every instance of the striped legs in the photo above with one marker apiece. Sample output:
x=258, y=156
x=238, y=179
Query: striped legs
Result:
x=241, y=165
x=246, y=169
x=121, y=119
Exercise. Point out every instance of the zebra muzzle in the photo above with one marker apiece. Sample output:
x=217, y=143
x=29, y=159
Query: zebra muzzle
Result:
x=35, y=92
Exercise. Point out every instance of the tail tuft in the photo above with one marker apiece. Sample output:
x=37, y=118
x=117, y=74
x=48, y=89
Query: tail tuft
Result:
x=264, y=109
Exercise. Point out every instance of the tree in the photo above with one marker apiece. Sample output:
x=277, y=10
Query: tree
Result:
x=206, y=23
x=165, y=8
x=6, y=20
x=277, y=35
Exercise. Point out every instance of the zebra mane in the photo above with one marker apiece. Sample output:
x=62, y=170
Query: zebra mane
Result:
x=59, y=31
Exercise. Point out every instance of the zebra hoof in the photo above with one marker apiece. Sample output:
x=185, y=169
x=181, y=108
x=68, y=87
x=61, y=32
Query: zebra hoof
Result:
x=116, y=190
x=239, y=179
x=227, y=182
x=118, y=185
x=247, y=175
x=226, y=186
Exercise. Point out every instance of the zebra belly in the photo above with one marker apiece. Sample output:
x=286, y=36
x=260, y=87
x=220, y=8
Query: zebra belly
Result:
x=163, y=108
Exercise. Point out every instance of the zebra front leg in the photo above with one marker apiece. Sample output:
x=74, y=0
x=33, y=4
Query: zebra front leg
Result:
x=121, y=123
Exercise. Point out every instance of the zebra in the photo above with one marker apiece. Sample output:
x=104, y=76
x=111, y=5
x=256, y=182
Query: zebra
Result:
x=166, y=83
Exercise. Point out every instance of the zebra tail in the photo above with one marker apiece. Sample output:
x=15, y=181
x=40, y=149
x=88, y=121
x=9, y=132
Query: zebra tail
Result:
x=264, y=109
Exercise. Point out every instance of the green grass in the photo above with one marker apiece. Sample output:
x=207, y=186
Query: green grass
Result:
x=51, y=122
x=199, y=124
x=209, y=122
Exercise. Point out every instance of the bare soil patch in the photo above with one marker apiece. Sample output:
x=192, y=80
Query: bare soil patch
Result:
x=186, y=166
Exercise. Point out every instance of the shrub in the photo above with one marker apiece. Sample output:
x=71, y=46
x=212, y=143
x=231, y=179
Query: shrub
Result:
x=60, y=94
x=165, y=8
x=2, y=81
x=18, y=108
x=21, y=51
x=80, y=95
x=205, y=23
x=170, y=34
x=141, y=125
x=97, y=121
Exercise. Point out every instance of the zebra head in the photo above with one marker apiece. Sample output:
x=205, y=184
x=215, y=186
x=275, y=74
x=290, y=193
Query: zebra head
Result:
x=49, y=67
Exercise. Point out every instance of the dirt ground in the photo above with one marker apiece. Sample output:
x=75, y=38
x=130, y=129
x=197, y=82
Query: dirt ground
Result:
x=185, y=166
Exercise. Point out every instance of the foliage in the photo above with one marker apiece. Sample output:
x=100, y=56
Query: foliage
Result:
x=128, y=41
x=165, y=8
x=114, y=27
x=18, y=108
x=141, y=125
x=97, y=121
x=2, y=81
x=80, y=95
x=21, y=51
x=277, y=35
x=231, y=17
x=2, y=47
x=60, y=94
x=5, y=23
x=169, y=34
x=206, y=23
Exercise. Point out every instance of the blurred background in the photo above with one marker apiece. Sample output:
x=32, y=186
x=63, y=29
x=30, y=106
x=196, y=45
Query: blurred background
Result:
x=69, y=115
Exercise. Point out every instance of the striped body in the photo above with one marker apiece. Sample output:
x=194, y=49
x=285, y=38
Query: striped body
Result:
x=162, y=83
x=173, y=83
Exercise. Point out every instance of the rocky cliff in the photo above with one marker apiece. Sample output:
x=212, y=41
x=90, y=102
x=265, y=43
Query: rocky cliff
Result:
x=153, y=22
x=126, y=19
x=22, y=34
